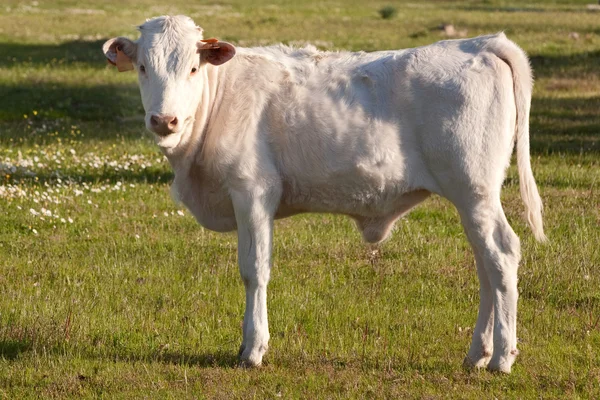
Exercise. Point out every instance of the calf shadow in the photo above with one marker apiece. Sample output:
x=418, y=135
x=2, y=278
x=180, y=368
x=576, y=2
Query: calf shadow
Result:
x=11, y=349
x=218, y=359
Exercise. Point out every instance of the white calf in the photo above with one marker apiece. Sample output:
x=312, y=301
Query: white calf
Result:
x=264, y=133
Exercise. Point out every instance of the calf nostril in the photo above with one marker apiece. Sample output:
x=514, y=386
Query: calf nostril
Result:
x=163, y=124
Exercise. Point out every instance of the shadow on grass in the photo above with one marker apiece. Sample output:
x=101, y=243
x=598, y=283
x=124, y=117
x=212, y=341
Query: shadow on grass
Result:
x=148, y=175
x=11, y=349
x=218, y=359
x=59, y=105
x=504, y=9
x=41, y=112
x=85, y=102
x=573, y=65
x=565, y=125
x=88, y=52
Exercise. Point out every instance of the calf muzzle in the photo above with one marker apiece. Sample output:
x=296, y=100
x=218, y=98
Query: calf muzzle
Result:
x=163, y=125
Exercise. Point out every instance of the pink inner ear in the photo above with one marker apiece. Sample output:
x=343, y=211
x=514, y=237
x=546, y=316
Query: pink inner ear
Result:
x=123, y=62
x=116, y=51
x=219, y=53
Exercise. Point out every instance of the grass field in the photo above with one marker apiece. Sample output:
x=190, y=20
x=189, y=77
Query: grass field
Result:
x=109, y=289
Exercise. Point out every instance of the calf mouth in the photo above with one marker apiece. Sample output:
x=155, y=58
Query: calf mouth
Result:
x=163, y=134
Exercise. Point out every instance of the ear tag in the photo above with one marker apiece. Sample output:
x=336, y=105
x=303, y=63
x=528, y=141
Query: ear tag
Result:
x=209, y=44
x=123, y=62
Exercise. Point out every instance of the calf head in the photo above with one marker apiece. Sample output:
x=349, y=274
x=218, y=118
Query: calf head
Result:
x=170, y=58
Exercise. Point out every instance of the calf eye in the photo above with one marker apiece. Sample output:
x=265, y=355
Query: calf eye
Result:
x=194, y=70
x=142, y=68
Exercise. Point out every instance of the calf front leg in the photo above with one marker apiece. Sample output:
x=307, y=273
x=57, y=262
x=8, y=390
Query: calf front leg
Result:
x=254, y=217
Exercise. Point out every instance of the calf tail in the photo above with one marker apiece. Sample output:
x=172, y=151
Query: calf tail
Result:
x=517, y=60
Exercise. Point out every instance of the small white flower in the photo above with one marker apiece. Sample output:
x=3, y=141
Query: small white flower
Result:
x=63, y=220
x=70, y=220
x=166, y=214
x=31, y=210
x=34, y=231
x=180, y=212
x=137, y=236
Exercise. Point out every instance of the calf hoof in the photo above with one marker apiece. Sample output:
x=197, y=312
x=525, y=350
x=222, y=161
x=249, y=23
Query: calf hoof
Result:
x=503, y=363
x=478, y=358
x=251, y=358
x=476, y=363
x=248, y=364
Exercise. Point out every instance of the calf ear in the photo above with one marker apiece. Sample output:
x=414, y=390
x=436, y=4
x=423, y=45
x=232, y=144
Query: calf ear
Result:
x=120, y=51
x=215, y=52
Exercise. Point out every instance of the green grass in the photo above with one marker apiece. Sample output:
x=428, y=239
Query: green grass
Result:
x=134, y=300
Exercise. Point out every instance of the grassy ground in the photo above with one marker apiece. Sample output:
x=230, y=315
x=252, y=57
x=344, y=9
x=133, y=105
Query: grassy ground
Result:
x=109, y=289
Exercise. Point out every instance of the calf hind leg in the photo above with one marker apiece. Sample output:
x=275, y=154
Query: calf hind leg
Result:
x=482, y=344
x=497, y=251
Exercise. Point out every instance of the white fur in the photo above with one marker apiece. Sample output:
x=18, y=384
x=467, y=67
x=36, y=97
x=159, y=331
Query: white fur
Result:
x=278, y=131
